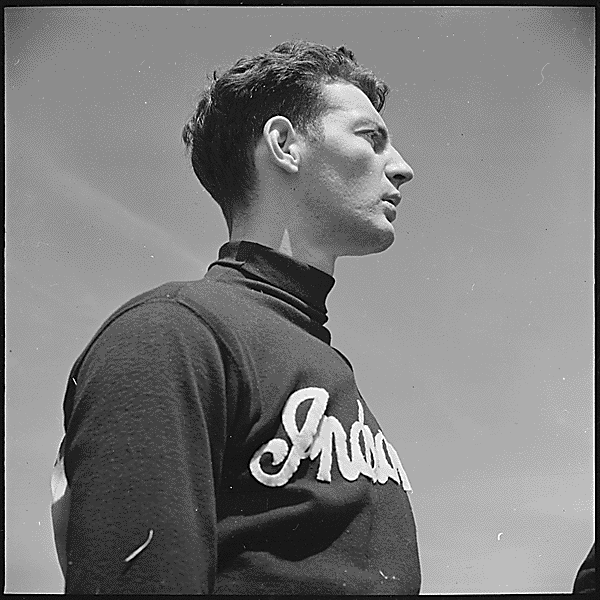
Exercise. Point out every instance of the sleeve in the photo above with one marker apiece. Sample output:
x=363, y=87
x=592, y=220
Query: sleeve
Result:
x=585, y=580
x=143, y=450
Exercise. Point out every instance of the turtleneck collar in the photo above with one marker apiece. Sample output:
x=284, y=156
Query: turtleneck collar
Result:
x=302, y=281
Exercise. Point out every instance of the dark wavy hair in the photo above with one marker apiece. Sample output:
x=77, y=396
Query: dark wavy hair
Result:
x=230, y=115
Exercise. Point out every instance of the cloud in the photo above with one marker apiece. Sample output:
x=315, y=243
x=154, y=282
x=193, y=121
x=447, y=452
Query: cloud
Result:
x=100, y=208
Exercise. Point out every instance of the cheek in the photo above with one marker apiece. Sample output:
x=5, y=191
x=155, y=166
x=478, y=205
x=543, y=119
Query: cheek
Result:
x=353, y=165
x=353, y=172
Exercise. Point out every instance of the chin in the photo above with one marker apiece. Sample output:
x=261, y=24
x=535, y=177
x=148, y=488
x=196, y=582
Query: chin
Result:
x=384, y=245
x=372, y=243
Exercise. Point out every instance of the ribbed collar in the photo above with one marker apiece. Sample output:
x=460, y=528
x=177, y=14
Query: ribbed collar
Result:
x=306, y=283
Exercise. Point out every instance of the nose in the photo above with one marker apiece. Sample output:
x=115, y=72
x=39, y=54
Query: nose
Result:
x=397, y=170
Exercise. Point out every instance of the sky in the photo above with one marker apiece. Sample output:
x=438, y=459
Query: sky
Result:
x=471, y=336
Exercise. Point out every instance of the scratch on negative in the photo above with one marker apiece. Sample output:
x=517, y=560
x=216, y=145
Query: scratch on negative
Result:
x=387, y=576
x=142, y=547
x=542, y=73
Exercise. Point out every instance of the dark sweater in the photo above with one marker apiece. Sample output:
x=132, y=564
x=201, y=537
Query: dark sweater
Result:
x=216, y=443
x=585, y=580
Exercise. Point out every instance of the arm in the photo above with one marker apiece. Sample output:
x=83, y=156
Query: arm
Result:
x=144, y=443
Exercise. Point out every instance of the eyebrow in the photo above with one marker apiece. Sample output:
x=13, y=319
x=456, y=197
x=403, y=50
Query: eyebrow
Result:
x=382, y=131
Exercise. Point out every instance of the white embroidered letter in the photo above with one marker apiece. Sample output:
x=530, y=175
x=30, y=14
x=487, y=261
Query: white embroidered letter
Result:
x=384, y=469
x=323, y=445
x=367, y=463
x=301, y=439
x=398, y=466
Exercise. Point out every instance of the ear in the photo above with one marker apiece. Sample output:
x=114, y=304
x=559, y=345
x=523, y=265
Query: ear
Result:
x=283, y=143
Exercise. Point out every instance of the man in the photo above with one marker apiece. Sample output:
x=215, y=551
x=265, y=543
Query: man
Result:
x=215, y=441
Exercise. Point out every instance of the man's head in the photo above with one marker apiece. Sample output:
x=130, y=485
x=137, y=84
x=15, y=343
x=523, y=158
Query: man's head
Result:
x=229, y=118
x=292, y=146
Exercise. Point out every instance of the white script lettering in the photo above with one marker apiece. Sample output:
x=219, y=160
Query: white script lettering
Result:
x=317, y=438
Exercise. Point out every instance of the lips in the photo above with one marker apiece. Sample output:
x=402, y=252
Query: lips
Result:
x=394, y=199
x=389, y=208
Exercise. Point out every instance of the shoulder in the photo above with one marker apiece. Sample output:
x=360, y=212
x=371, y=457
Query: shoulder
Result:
x=170, y=305
x=168, y=314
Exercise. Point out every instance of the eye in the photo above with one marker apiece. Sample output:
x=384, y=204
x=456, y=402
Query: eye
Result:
x=372, y=136
x=376, y=139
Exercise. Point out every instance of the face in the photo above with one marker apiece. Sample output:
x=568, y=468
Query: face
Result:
x=345, y=176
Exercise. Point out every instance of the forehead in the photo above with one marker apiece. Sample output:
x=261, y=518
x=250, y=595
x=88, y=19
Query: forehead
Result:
x=348, y=102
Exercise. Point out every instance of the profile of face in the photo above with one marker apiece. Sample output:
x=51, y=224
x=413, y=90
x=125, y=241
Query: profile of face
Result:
x=345, y=177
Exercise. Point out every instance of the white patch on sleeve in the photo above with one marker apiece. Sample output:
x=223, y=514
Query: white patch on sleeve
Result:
x=58, y=483
x=61, y=503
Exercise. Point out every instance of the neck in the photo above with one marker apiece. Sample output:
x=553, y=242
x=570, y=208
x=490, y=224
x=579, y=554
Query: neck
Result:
x=284, y=239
